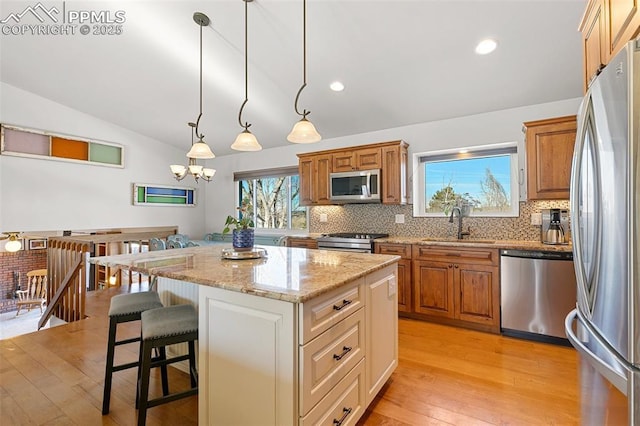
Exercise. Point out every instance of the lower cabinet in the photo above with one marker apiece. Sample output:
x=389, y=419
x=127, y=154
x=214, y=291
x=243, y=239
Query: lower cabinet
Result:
x=458, y=286
x=271, y=362
x=433, y=288
x=301, y=242
x=404, y=272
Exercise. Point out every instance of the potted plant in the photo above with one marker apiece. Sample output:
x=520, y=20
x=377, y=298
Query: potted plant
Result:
x=243, y=235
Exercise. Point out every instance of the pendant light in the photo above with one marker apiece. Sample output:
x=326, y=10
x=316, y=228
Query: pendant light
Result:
x=246, y=141
x=179, y=171
x=200, y=149
x=304, y=130
x=14, y=244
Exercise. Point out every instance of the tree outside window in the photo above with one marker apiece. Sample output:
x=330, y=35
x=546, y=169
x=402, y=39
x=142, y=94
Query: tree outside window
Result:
x=481, y=183
x=274, y=202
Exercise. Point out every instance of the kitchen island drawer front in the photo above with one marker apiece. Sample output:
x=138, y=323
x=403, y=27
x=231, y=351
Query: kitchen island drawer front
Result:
x=402, y=250
x=329, y=309
x=456, y=254
x=344, y=405
x=329, y=357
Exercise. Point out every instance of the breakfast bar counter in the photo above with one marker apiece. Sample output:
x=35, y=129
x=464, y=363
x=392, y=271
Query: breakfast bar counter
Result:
x=297, y=337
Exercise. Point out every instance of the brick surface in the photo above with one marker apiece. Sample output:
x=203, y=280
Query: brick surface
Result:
x=19, y=262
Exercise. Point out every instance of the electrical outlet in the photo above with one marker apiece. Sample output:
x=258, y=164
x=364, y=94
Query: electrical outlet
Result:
x=536, y=219
x=399, y=218
x=323, y=217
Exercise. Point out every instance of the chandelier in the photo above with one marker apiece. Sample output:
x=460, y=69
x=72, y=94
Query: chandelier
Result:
x=199, y=149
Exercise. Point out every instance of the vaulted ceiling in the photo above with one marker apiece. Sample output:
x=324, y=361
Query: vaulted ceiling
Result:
x=402, y=62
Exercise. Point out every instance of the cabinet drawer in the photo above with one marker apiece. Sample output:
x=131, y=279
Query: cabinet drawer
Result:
x=324, y=311
x=325, y=360
x=403, y=250
x=477, y=256
x=344, y=405
x=302, y=242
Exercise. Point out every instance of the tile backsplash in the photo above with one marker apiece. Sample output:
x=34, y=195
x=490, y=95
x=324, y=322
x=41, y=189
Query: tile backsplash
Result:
x=369, y=218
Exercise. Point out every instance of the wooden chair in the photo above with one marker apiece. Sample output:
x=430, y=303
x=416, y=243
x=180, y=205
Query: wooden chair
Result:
x=35, y=293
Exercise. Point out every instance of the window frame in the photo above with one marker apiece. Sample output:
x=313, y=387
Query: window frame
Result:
x=287, y=172
x=419, y=199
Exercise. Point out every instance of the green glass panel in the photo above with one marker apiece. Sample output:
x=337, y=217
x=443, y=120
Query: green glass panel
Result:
x=166, y=200
x=105, y=154
x=141, y=194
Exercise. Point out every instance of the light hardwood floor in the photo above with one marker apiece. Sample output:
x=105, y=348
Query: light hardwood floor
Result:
x=446, y=376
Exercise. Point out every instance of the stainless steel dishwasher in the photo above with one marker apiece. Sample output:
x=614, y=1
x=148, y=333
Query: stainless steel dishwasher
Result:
x=538, y=290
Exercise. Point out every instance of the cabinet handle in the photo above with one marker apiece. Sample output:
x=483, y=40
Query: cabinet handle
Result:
x=345, y=413
x=451, y=265
x=455, y=266
x=345, y=302
x=345, y=350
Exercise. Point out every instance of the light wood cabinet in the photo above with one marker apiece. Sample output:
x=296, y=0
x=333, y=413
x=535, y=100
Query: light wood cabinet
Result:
x=607, y=25
x=624, y=23
x=390, y=157
x=314, y=171
x=457, y=286
x=309, y=243
x=433, y=288
x=593, y=39
x=357, y=159
x=549, y=147
x=404, y=272
x=394, y=174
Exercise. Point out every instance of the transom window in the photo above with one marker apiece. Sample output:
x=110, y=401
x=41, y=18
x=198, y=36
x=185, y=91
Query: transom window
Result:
x=482, y=182
x=272, y=197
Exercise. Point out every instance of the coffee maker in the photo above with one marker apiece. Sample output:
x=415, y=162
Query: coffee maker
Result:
x=555, y=226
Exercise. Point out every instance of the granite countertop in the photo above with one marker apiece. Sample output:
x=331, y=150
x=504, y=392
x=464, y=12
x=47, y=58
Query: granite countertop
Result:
x=485, y=243
x=291, y=274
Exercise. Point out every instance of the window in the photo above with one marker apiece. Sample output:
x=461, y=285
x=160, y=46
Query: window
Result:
x=482, y=181
x=38, y=144
x=273, y=198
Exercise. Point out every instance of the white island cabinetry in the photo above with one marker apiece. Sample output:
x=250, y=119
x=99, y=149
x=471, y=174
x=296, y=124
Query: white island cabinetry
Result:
x=297, y=336
x=265, y=361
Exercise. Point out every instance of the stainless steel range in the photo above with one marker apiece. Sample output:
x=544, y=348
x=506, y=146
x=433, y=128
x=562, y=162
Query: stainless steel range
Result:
x=349, y=241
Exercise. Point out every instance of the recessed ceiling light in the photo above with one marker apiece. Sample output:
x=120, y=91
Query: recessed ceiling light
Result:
x=463, y=151
x=486, y=46
x=336, y=86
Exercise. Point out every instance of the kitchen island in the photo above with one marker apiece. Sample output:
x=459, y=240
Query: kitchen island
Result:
x=298, y=337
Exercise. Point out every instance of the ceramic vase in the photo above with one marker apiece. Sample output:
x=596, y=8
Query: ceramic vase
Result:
x=243, y=239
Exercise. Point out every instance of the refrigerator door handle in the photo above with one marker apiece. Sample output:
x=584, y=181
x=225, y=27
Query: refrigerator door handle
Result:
x=616, y=378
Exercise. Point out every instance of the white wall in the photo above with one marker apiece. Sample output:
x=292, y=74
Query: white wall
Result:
x=481, y=129
x=39, y=195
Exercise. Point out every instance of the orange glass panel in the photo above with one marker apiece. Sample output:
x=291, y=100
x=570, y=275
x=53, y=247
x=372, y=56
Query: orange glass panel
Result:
x=67, y=148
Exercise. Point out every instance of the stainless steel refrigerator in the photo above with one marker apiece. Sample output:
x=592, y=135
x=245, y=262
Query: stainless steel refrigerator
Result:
x=605, y=217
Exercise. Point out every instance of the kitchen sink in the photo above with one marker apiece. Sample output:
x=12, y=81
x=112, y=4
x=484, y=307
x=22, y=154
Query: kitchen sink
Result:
x=455, y=240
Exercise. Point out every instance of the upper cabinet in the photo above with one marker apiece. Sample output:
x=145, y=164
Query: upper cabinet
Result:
x=357, y=159
x=390, y=157
x=314, y=173
x=549, y=145
x=606, y=26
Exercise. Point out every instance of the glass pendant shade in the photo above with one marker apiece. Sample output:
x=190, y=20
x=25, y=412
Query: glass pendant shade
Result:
x=200, y=150
x=207, y=174
x=195, y=169
x=13, y=245
x=304, y=132
x=178, y=170
x=246, y=141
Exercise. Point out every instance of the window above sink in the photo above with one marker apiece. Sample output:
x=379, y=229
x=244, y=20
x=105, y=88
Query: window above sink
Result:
x=483, y=181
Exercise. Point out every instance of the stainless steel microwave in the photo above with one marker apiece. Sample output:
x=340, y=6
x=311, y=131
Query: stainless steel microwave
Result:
x=355, y=187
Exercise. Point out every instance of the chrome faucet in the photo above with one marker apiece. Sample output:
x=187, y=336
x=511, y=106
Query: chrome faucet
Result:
x=461, y=233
